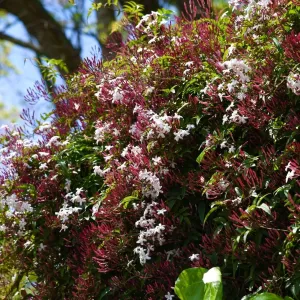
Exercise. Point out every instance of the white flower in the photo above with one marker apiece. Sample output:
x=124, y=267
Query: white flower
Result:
x=4, y=126
x=231, y=86
x=136, y=150
x=159, y=228
x=156, y=160
x=64, y=227
x=177, y=117
x=161, y=211
x=180, y=134
x=152, y=40
x=143, y=255
x=122, y=166
x=125, y=151
x=44, y=126
x=3, y=228
x=98, y=170
x=190, y=126
x=290, y=175
x=22, y=224
x=53, y=141
x=130, y=262
x=160, y=124
x=225, y=119
x=264, y=3
x=116, y=132
x=25, y=207
x=223, y=144
x=155, y=188
x=169, y=296
x=27, y=244
x=231, y=149
x=212, y=275
x=293, y=82
x=66, y=211
x=174, y=252
x=44, y=153
x=235, y=117
x=194, y=257
x=79, y=191
x=101, y=131
x=42, y=247
x=141, y=239
x=189, y=64
x=231, y=49
x=43, y=166
x=78, y=199
x=108, y=157
x=117, y=95
x=288, y=166
x=68, y=185
x=107, y=148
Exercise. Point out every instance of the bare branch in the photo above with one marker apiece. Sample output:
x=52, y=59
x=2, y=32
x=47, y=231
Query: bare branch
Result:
x=42, y=26
x=21, y=43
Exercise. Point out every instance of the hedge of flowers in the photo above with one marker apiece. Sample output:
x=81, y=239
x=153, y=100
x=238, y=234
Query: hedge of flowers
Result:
x=181, y=152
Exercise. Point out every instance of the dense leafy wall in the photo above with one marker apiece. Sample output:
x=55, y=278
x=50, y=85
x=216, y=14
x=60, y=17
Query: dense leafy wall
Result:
x=181, y=152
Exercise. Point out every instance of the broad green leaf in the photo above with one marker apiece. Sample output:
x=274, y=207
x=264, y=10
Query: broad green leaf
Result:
x=266, y=296
x=189, y=285
x=213, y=289
x=199, y=284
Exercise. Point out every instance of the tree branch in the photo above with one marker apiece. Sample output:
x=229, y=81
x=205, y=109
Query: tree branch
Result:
x=21, y=43
x=45, y=29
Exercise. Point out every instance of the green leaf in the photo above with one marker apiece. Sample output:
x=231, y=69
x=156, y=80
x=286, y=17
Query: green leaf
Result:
x=209, y=213
x=266, y=296
x=201, y=155
x=127, y=200
x=189, y=285
x=277, y=44
x=213, y=291
x=201, y=211
x=246, y=235
x=104, y=293
x=295, y=288
x=265, y=208
x=285, y=189
x=95, y=6
x=199, y=284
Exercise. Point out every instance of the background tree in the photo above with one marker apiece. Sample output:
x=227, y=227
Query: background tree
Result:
x=47, y=30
